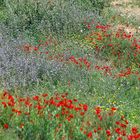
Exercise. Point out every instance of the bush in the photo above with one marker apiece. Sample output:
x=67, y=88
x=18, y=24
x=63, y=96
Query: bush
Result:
x=99, y=5
x=2, y=3
x=45, y=15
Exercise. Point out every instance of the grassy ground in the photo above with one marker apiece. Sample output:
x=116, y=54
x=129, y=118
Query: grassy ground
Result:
x=70, y=78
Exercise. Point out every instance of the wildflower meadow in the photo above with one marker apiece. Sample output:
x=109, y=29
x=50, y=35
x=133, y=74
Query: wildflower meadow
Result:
x=69, y=70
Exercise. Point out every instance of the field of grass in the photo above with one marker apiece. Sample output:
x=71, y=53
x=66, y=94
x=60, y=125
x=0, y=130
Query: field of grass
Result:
x=68, y=71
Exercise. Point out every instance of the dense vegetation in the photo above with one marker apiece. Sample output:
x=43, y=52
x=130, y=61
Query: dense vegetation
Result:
x=66, y=73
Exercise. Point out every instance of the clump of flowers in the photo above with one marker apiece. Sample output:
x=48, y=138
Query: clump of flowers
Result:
x=81, y=62
x=64, y=116
x=119, y=46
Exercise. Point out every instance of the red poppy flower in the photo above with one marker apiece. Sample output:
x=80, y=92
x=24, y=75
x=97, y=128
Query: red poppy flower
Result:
x=113, y=109
x=117, y=122
x=4, y=104
x=45, y=95
x=100, y=117
x=5, y=93
x=11, y=103
x=130, y=137
x=57, y=115
x=11, y=98
x=118, y=131
x=95, y=131
x=85, y=107
x=36, y=98
x=35, y=49
x=123, y=133
x=126, y=121
x=98, y=110
x=81, y=129
x=28, y=104
x=134, y=130
x=6, y=126
x=89, y=135
x=119, y=138
x=108, y=132
x=123, y=125
x=99, y=128
x=75, y=100
x=82, y=113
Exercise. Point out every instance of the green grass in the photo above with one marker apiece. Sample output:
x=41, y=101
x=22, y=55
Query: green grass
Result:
x=3, y=14
x=92, y=86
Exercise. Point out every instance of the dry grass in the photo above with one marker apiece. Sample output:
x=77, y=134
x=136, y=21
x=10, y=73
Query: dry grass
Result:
x=125, y=8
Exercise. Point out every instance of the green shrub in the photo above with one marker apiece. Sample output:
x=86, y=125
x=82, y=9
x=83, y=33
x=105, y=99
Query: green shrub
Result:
x=2, y=3
x=47, y=16
x=51, y=16
x=99, y=5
